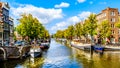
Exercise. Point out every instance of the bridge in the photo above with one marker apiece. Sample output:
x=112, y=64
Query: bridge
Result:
x=7, y=52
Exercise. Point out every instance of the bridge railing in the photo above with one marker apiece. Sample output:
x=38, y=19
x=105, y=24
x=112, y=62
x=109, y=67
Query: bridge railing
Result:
x=15, y=51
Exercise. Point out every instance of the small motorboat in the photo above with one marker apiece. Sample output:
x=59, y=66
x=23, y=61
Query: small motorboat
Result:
x=35, y=51
x=98, y=48
x=45, y=45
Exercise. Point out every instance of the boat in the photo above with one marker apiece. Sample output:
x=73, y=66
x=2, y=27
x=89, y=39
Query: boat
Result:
x=35, y=51
x=77, y=44
x=112, y=48
x=44, y=45
x=98, y=48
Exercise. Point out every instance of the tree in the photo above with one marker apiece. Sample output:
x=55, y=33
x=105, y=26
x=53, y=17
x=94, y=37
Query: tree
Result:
x=43, y=33
x=91, y=25
x=59, y=34
x=104, y=29
x=66, y=33
x=118, y=23
x=78, y=30
x=71, y=31
x=87, y=28
x=29, y=26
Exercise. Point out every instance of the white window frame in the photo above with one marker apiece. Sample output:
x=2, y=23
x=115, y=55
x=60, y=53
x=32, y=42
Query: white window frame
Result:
x=112, y=19
x=112, y=13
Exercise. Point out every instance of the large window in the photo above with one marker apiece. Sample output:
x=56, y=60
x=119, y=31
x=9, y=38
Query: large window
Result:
x=112, y=13
x=112, y=25
x=112, y=19
x=5, y=13
x=104, y=14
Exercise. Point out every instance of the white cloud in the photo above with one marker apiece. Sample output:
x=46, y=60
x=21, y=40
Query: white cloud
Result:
x=63, y=4
x=84, y=15
x=64, y=24
x=81, y=1
x=44, y=15
x=59, y=26
x=73, y=20
x=70, y=21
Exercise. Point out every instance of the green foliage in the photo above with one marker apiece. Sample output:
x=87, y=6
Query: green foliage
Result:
x=60, y=34
x=15, y=29
x=89, y=27
x=71, y=31
x=67, y=33
x=104, y=29
x=118, y=23
x=30, y=26
x=14, y=37
x=78, y=29
x=91, y=24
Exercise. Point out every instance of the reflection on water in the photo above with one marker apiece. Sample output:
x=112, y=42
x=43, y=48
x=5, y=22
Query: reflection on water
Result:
x=11, y=63
x=33, y=63
x=105, y=60
x=60, y=56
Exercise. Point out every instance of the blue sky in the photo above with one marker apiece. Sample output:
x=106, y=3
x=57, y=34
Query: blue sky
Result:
x=59, y=14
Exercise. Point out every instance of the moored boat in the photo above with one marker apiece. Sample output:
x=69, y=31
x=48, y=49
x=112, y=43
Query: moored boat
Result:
x=76, y=43
x=35, y=51
x=112, y=48
x=45, y=45
x=98, y=48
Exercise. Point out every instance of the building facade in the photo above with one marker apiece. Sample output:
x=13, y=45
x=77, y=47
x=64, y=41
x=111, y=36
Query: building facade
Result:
x=5, y=23
x=112, y=16
x=11, y=25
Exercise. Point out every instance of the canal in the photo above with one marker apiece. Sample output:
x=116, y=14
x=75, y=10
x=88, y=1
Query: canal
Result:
x=62, y=56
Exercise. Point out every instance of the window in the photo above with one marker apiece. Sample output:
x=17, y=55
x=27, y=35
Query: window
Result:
x=104, y=14
x=112, y=25
x=112, y=19
x=112, y=13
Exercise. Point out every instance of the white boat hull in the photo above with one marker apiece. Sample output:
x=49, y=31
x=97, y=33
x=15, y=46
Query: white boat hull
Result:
x=35, y=52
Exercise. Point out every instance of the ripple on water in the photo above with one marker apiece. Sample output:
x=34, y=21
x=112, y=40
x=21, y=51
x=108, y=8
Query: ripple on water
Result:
x=61, y=62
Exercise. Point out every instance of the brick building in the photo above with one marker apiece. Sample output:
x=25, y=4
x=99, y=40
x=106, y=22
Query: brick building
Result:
x=112, y=16
x=6, y=23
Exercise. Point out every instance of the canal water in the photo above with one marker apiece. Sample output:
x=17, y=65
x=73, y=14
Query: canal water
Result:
x=63, y=56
